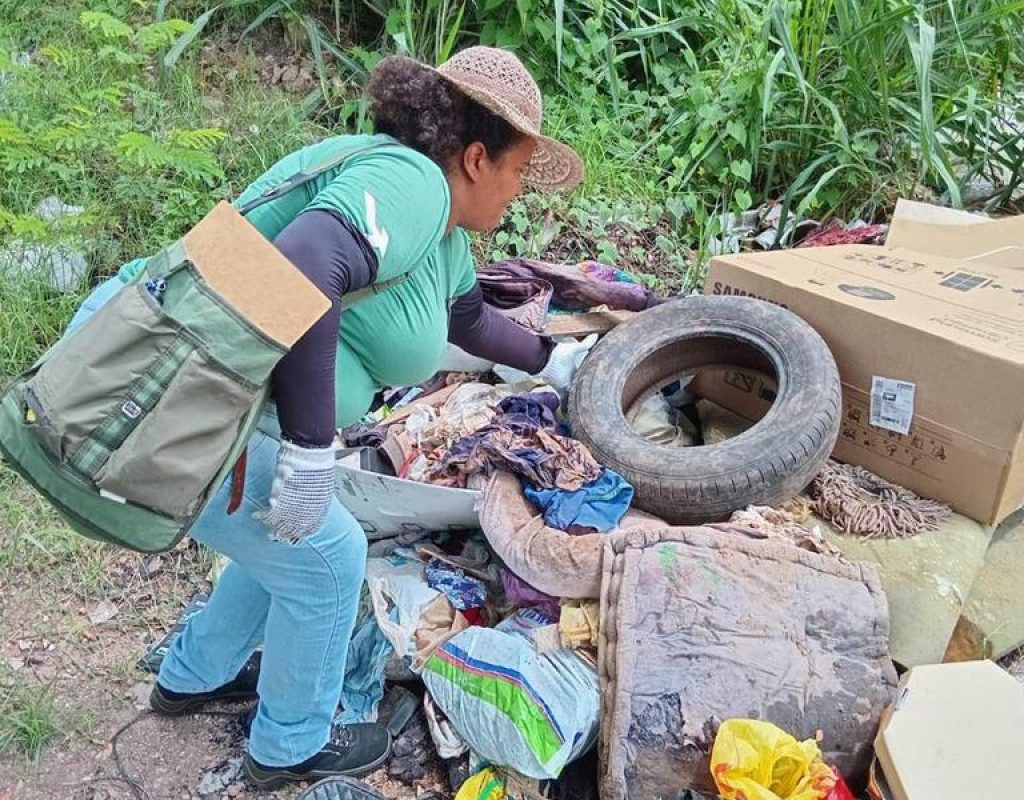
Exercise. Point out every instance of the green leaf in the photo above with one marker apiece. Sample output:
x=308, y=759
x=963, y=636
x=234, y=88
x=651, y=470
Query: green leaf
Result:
x=922, y=48
x=315, y=37
x=741, y=169
x=779, y=22
x=269, y=12
x=670, y=27
x=811, y=198
x=189, y=36
x=742, y=199
x=665, y=244
x=737, y=130
x=453, y=33
x=768, y=88
x=158, y=35
x=108, y=26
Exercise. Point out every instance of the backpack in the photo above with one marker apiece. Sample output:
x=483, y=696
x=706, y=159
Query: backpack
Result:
x=130, y=423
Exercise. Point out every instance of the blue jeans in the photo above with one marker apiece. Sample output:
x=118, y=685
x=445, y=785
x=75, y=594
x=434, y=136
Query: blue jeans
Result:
x=299, y=600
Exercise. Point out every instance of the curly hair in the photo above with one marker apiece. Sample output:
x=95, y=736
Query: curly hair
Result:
x=420, y=109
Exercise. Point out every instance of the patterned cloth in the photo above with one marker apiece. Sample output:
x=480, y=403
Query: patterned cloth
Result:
x=463, y=591
x=541, y=458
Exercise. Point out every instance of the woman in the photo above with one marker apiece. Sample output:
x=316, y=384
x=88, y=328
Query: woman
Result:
x=453, y=147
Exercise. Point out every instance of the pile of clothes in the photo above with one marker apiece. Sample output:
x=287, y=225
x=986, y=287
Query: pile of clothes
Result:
x=507, y=672
x=460, y=434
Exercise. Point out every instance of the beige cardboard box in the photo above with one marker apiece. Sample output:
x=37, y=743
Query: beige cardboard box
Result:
x=953, y=733
x=930, y=351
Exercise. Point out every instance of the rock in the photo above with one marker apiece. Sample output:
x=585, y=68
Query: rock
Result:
x=103, y=612
x=220, y=778
x=60, y=266
x=994, y=606
x=152, y=567
x=925, y=577
x=52, y=209
x=139, y=695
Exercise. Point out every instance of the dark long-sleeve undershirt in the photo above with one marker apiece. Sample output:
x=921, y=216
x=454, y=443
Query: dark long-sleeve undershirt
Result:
x=337, y=259
x=482, y=331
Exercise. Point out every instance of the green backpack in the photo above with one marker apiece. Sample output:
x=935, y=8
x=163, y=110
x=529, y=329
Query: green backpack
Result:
x=131, y=422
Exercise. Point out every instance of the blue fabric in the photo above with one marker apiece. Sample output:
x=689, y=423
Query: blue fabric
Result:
x=300, y=600
x=536, y=409
x=96, y=299
x=599, y=505
x=368, y=653
x=463, y=591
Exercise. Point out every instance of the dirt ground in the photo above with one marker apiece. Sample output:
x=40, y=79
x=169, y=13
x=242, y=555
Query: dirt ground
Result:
x=76, y=616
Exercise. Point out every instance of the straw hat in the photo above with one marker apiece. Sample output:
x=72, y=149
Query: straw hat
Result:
x=498, y=81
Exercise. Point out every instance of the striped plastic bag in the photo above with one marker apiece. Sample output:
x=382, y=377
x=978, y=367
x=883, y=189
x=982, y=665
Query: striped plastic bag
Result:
x=517, y=708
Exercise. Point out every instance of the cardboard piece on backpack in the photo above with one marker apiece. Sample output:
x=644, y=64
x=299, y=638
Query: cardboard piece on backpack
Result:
x=250, y=274
x=930, y=351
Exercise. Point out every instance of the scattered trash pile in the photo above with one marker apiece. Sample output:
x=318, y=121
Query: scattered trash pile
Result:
x=577, y=629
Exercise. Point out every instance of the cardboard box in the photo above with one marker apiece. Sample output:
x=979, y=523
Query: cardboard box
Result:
x=953, y=733
x=947, y=334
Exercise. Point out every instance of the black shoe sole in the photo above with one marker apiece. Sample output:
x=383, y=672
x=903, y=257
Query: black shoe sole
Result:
x=276, y=778
x=166, y=707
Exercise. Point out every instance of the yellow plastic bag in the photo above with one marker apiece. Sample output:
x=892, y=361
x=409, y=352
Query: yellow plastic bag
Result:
x=485, y=785
x=755, y=760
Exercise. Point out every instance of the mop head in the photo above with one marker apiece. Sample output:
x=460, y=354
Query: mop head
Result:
x=860, y=502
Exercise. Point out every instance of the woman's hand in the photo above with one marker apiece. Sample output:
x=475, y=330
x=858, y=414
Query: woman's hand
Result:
x=301, y=493
x=561, y=367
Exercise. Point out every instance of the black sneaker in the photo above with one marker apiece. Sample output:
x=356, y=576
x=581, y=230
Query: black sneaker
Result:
x=174, y=704
x=354, y=751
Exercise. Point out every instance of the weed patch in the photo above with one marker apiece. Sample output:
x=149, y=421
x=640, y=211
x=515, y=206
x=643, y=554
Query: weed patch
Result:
x=28, y=716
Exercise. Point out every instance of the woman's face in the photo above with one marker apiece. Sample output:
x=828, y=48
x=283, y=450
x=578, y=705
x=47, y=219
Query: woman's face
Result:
x=490, y=185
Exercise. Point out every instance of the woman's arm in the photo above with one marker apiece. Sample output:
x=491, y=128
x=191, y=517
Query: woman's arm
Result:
x=482, y=331
x=337, y=259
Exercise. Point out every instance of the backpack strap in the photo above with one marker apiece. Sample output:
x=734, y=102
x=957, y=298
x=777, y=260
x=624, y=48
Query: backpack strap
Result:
x=307, y=175
x=311, y=174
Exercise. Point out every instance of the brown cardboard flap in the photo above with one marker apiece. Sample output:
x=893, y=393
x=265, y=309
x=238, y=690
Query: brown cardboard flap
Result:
x=948, y=232
x=250, y=274
x=586, y=323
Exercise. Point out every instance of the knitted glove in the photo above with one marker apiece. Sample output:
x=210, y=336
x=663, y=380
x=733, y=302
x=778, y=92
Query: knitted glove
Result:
x=560, y=370
x=301, y=493
x=564, y=361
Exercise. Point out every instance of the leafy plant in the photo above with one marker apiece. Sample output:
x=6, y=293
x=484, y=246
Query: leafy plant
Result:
x=85, y=116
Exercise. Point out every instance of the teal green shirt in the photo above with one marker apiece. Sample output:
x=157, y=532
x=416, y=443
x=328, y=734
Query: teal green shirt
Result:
x=399, y=199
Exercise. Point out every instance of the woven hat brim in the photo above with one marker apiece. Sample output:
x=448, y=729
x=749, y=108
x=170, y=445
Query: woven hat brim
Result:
x=555, y=167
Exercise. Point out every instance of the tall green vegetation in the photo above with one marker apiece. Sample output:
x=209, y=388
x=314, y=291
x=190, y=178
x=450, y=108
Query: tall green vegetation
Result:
x=685, y=111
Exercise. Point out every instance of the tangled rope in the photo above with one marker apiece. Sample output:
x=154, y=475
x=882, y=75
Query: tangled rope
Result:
x=858, y=501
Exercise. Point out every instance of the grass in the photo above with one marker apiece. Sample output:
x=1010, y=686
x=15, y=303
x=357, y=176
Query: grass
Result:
x=38, y=552
x=28, y=715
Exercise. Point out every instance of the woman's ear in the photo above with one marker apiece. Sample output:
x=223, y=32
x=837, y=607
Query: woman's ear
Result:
x=475, y=161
